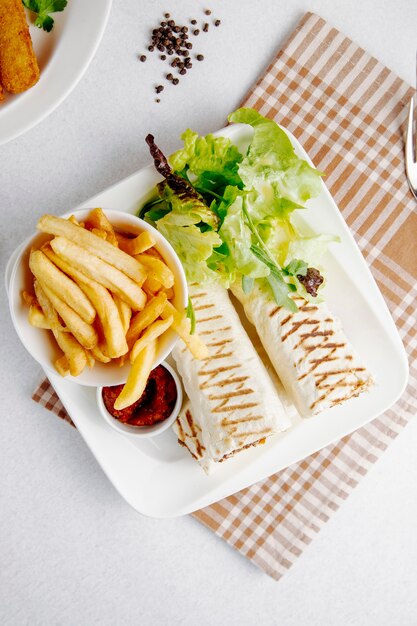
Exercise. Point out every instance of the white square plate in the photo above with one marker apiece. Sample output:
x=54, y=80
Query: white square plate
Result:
x=158, y=477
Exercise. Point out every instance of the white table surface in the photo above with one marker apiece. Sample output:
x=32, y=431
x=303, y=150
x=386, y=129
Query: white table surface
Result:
x=71, y=550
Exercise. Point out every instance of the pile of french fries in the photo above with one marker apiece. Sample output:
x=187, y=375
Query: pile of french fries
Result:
x=105, y=296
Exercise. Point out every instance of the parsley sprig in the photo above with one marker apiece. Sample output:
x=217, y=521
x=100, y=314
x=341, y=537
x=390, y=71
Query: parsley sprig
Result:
x=44, y=8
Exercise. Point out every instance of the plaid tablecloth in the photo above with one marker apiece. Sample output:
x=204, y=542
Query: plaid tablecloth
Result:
x=349, y=112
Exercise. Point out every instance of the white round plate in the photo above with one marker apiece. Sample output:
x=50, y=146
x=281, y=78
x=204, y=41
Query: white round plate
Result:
x=63, y=56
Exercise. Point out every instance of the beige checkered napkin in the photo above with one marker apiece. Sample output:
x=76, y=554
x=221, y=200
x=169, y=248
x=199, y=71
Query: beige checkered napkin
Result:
x=348, y=112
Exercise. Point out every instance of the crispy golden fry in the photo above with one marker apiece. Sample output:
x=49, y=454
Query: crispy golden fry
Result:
x=90, y=359
x=136, y=245
x=65, y=288
x=19, y=68
x=98, y=220
x=154, y=252
x=144, y=318
x=151, y=286
x=51, y=315
x=29, y=298
x=182, y=327
x=99, y=233
x=138, y=377
x=85, y=334
x=37, y=317
x=99, y=355
x=125, y=312
x=1, y=93
x=109, y=316
x=62, y=365
x=151, y=334
x=157, y=269
x=75, y=353
x=107, y=310
x=169, y=293
x=95, y=245
x=74, y=220
x=100, y=271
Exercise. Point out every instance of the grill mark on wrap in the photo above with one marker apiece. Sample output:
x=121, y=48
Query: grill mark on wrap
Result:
x=217, y=330
x=224, y=382
x=233, y=407
x=297, y=325
x=209, y=319
x=194, y=434
x=232, y=394
x=318, y=339
x=220, y=378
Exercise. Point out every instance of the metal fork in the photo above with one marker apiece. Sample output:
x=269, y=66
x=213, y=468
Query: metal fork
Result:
x=411, y=151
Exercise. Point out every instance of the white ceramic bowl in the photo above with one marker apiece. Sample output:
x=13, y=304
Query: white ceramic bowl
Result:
x=40, y=343
x=143, y=431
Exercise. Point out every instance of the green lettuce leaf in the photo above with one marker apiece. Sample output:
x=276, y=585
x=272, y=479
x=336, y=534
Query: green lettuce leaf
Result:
x=185, y=200
x=273, y=170
x=192, y=246
x=236, y=234
x=310, y=249
x=211, y=159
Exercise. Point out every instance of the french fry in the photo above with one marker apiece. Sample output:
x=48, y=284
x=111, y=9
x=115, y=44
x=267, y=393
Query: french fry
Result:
x=99, y=355
x=85, y=334
x=37, y=317
x=125, y=312
x=136, y=245
x=100, y=271
x=170, y=293
x=99, y=232
x=138, y=377
x=156, y=269
x=51, y=315
x=151, y=286
x=144, y=318
x=98, y=221
x=151, y=334
x=107, y=310
x=90, y=359
x=29, y=298
x=95, y=245
x=74, y=352
x=62, y=366
x=65, y=288
x=182, y=326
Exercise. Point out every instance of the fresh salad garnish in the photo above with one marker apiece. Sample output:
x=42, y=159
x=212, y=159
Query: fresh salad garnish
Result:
x=43, y=9
x=228, y=214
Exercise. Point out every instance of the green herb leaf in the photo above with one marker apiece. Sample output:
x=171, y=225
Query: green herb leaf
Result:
x=191, y=315
x=43, y=8
x=296, y=268
x=280, y=290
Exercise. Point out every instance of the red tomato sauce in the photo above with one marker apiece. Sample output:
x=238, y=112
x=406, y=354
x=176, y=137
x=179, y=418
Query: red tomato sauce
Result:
x=155, y=404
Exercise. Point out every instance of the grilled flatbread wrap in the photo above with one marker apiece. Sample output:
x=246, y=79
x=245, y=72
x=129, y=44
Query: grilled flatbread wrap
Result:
x=309, y=351
x=234, y=403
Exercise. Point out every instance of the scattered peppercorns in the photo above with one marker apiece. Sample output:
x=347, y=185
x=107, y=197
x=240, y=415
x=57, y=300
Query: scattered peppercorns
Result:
x=170, y=38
